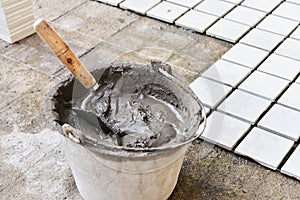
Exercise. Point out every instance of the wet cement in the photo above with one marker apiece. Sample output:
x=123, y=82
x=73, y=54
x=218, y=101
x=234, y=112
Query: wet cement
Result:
x=133, y=107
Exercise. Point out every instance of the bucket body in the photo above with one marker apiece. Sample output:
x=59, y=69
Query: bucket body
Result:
x=109, y=172
x=105, y=176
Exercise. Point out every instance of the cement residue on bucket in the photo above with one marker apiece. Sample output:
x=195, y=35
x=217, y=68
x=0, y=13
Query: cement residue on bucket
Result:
x=135, y=107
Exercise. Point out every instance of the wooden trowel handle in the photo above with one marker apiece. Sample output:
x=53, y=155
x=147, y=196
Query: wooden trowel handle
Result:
x=64, y=53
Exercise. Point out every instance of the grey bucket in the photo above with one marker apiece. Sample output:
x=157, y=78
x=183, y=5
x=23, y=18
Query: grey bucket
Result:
x=104, y=171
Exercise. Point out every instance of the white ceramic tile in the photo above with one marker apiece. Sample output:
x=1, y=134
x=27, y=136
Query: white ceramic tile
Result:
x=139, y=6
x=289, y=48
x=245, y=55
x=277, y=25
x=166, y=11
x=288, y=10
x=112, y=2
x=280, y=66
x=264, y=85
x=209, y=92
x=244, y=15
x=266, y=6
x=262, y=39
x=226, y=72
x=244, y=105
x=296, y=34
x=197, y=21
x=291, y=97
x=187, y=3
x=282, y=120
x=228, y=30
x=224, y=130
x=291, y=167
x=265, y=147
x=215, y=7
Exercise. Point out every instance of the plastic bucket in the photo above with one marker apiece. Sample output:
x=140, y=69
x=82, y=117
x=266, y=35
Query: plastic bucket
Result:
x=103, y=171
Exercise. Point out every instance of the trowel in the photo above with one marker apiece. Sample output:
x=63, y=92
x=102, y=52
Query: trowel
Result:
x=72, y=62
x=65, y=54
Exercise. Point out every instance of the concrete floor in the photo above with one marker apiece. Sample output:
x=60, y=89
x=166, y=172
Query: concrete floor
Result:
x=32, y=162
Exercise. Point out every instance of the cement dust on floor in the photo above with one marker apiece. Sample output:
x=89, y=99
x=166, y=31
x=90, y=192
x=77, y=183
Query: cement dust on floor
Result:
x=210, y=172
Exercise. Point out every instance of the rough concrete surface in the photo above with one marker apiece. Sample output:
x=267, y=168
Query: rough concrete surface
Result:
x=32, y=162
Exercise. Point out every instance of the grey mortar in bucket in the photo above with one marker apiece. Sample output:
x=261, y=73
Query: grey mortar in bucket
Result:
x=142, y=115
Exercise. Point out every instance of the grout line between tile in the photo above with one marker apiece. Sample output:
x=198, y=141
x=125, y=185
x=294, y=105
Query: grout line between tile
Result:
x=243, y=79
x=267, y=109
x=242, y=138
x=222, y=17
x=284, y=16
x=275, y=132
x=263, y=114
x=287, y=156
x=272, y=103
x=235, y=116
x=33, y=68
x=286, y=56
x=292, y=108
x=270, y=13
